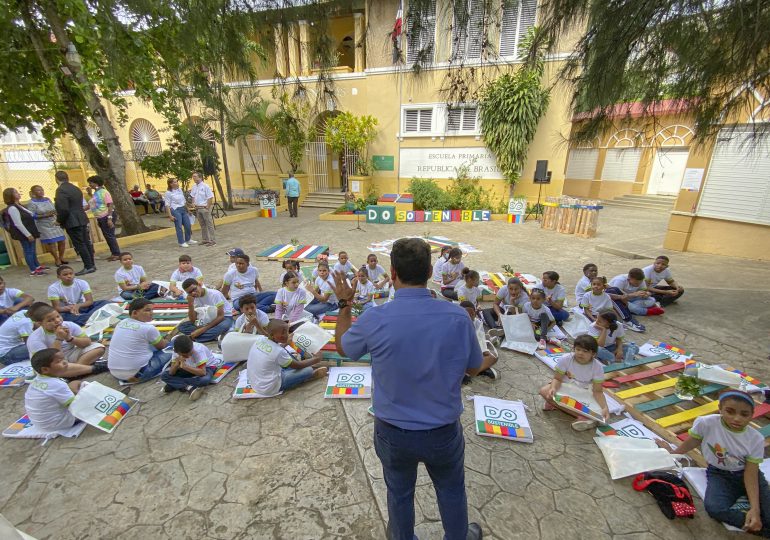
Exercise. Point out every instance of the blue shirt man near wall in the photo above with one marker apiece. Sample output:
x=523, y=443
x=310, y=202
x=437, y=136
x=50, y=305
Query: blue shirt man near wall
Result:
x=292, y=194
x=420, y=350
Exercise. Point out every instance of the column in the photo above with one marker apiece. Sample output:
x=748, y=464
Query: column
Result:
x=280, y=51
x=293, y=45
x=358, y=41
x=304, y=48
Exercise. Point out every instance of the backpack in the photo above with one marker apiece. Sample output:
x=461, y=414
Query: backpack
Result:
x=670, y=493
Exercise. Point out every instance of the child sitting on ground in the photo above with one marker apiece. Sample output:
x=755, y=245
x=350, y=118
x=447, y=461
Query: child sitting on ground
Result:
x=131, y=280
x=657, y=272
x=12, y=300
x=555, y=296
x=509, y=299
x=540, y=316
x=192, y=367
x=136, y=349
x=242, y=280
x=344, y=265
x=324, y=299
x=251, y=320
x=468, y=289
x=377, y=274
x=734, y=451
x=55, y=333
x=215, y=323
x=630, y=295
x=437, y=267
x=290, y=300
x=590, y=271
x=290, y=265
x=451, y=271
x=364, y=289
x=48, y=396
x=272, y=369
x=488, y=358
x=13, y=338
x=609, y=337
x=185, y=271
x=596, y=301
x=73, y=297
x=582, y=369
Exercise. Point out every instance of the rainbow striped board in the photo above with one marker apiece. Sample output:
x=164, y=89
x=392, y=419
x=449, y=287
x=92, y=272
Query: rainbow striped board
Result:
x=242, y=388
x=17, y=427
x=23, y=428
x=349, y=382
x=16, y=374
x=223, y=370
x=579, y=400
x=101, y=406
x=305, y=253
x=491, y=282
x=654, y=348
x=502, y=419
x=111, y=420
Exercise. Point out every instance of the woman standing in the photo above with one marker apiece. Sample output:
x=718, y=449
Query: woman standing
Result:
x=51, y=235
x=21, y=224
x=176, y=208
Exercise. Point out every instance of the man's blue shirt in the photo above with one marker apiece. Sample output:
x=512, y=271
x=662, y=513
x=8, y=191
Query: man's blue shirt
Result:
x=421, y=348
x=292, y=187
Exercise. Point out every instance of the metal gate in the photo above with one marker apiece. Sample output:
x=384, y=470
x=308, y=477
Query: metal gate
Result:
x=316, y=165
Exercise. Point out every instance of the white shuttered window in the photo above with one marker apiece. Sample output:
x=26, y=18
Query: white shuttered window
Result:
x=737, y=185
x=462, y=120
x=518, y=18
x=581, y=163
x=468, y=30
x=621, y=164
x=421, y=34
x=418, y=120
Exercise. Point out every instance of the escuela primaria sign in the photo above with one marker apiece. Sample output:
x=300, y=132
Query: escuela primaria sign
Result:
x=445, y=162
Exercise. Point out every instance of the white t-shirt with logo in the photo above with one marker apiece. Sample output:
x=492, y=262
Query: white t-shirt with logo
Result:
x=727, y=449
x=240, y=322
x=326, y=287
x=129, y=278
x=131, y=347
x=471, y=294
x=69, y=295
x=375, y=273
x=621, y=282
x=178, y=277
x=364, y=292
x=212, y=297
x=347, y=267
x=47, y=400
x=504, y=295
x=597, y=303
x=40, y=339
x=9, y=296
x=241, y=284
x=13, y=331
x=450, y=268
x=263, y=367
x=583, y=375
x=583, y=287
x=594, y=331
x=201, y=356
x=534, y=314
x=557, y=292
x=652, y=278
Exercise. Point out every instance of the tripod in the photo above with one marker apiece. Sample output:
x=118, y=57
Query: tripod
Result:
x=216, y=209
x=536, y=210
x=358, y=222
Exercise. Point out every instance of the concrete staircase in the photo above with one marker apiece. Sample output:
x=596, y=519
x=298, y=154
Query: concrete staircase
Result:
x=655, y=203
x=324, y=199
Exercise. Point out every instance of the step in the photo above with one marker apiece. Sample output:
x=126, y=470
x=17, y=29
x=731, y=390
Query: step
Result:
x=326, y=195
x=315, y=204
x=664, y=199
x=639, y=205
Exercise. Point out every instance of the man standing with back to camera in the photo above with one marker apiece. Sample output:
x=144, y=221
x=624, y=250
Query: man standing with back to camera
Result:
x=420, y=350
x=73, y=219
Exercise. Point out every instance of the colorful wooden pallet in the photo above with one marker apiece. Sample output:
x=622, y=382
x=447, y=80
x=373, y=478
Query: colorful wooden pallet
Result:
x=279, y=252
x=646, y=386
x=493, y=281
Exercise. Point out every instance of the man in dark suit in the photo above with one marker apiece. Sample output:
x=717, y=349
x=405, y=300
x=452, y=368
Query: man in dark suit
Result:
x=72, y=217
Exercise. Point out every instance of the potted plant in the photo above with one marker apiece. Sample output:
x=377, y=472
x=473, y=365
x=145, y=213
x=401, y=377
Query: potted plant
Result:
x=347, y=133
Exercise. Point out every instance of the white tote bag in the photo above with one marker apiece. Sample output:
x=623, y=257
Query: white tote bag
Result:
x=101, y=406
x=627, y=456
x=577, y=324
x=236, y=346
x=310, y=337
x=519, y=335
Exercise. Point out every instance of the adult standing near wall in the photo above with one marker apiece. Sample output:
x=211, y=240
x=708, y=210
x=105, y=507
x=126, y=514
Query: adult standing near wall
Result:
x=176, y=208
x=51, y=235
x=20, y=223
x=101, y=208
x=292, y=188
x=203, y=199
x=72, y=217
x=420, y=349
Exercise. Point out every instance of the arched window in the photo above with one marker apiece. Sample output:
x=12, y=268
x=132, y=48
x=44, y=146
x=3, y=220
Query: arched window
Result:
x=145, y=140
x=674, y=135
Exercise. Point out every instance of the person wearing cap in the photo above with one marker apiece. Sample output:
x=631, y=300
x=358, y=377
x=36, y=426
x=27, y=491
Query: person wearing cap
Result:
x=733, y=450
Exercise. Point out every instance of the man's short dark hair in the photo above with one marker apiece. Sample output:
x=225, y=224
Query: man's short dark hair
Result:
x=636, y=273
x=137, y=304
x=410, y=258
x=95, y=180
x=188, y=282
x=42, y=359
x=183, y=344
x=62, y=176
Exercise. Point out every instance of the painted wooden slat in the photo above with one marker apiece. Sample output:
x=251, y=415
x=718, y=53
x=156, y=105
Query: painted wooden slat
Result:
x=646, y=388
x=635, y=363
x=690, y=414
x=760, y=410
x=269, y=250
x=673, y=400
x=641, y=375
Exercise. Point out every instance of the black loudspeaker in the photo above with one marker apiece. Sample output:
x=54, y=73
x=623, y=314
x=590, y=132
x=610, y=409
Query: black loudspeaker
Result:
x=541, y=172
x=210, y=166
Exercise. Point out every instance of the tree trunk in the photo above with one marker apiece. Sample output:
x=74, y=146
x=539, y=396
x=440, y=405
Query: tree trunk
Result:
x=113, y=167
x=229, y=200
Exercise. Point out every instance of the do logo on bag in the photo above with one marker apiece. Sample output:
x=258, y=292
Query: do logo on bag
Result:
x=350, y=378
x=500, y=417
x=107, y=404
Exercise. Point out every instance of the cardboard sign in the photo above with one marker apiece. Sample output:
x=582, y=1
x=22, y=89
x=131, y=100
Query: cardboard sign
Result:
x=502, y=419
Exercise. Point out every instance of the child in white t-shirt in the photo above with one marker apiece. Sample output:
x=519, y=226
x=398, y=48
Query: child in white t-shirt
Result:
x=609, y=337
x=451, y=272
x=136, y=349
x=271, y=369
x=322, y=290
x=596, y=300
x=290, y=300
x=192, y=367
x=69, y=338
x=590, y=271
x=364, y=289
x=290, y=265
x=508, y=300
x=242, y=280
x=132, y=281
x=251, y=320
x=13, y=336
x=439, y=264
x=73, y=297
x=377, y=274
x=733, y=450
x=186, y=270
x=657, y=272
x=555, y=296
x=540, y=316
x=488, y=357
x=468, y=289
x=582, y=369
x=48, y=396
x=344, y=265
x=12, y=300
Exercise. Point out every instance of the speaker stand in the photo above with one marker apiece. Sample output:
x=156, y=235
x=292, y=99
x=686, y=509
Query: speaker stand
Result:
x=536, y=210
x=358, y=224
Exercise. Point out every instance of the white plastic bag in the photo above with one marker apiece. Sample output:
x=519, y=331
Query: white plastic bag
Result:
x=519, y=335
x=577, y=324
x=716, y=374
x=236, y=346
x=626, y=456
x=205, y=314
x=310, y=337
x=103, y=318
x=100, y=406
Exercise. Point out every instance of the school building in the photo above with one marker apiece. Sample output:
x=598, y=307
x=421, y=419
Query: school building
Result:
x=421, y=135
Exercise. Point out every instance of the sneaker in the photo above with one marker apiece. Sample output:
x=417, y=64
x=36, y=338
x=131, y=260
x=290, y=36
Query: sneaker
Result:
x=38, y=272
x=491, y=372
x=184, y=245
x=554, y=341
x=474, y=532
x=541, y=345
x=99, y=367
x=167, y=389
x=634, y=325
x=494, y=340
x=653, y=311
x=370, y=410
x=658, y=305
x=43, y=267
x=466, y=379
x=583, y=425
x=196, y=393
x=192, y=242
x=496, y=332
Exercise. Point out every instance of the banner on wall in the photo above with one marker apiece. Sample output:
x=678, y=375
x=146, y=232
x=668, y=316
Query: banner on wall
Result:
x=444, y=162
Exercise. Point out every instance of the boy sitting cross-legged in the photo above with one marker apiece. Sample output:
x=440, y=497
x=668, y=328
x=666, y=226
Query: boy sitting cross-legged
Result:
x=191, y=368
x=67, y=337
x=136, y=348
x=48, y=396
x=211, y=326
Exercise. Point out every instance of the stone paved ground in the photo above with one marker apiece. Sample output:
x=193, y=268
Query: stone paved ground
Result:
x=300, y=466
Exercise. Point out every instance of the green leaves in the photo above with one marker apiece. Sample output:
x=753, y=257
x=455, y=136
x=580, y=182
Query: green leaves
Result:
x=349, y=131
